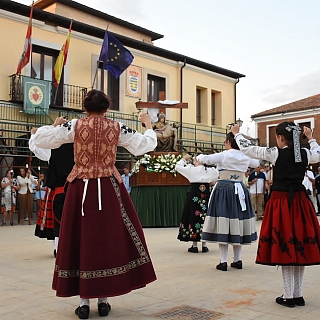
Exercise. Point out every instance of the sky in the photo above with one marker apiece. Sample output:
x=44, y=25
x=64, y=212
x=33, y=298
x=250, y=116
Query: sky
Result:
x=274, y=43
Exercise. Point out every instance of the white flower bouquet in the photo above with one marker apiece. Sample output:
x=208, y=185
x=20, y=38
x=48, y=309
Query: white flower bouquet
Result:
x=162, y=163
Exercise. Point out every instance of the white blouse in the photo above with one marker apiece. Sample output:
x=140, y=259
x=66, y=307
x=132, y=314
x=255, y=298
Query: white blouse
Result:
x=271, y=154
x=50, y=137
x=26, y=183
x=198, y=174
x=40, y=153
x=231, y=159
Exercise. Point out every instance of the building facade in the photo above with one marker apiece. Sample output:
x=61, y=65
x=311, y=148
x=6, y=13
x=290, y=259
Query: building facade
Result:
x=304, y=112
x=209, y=91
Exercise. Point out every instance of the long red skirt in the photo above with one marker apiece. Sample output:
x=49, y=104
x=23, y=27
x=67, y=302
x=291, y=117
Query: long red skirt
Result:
x=45, y=221
x=102, y=253
x=289, y=236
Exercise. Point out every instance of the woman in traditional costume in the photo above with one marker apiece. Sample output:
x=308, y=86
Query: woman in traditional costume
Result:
x=230, y=218
x=290, y=232
x=49, y=218
x=195, y=208
x=102, y=249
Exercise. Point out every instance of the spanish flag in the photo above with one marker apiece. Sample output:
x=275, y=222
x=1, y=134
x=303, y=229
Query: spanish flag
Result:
x=61, y=60
x=25, y=57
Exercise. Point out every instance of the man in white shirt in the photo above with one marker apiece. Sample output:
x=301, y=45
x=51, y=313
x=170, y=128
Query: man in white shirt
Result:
x=317, y=189
x=309, y=182
x=256, y=182
x=126, y=178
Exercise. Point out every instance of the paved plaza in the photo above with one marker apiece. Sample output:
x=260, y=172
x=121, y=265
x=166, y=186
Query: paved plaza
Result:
x=188, y=285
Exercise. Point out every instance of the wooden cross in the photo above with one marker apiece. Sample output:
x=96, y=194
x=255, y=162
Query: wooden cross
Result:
x=162, y=107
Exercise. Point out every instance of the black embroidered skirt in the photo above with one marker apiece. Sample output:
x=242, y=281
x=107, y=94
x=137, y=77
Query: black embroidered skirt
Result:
x=194, y=212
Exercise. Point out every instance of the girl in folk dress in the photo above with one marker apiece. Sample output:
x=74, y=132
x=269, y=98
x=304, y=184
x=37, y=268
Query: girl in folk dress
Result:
x=230, y=219
x=102, y=249
x=290, y=232
x=196, y=205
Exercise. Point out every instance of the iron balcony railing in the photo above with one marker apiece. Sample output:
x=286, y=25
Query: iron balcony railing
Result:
x=65, y=95
x=15, y=126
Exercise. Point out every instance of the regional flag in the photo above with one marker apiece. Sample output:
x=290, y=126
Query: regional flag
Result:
x=25, y=57
x=114, y=56
x=61, y=60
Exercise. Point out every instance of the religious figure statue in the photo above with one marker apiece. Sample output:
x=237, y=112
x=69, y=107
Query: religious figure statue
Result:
x=166, y=134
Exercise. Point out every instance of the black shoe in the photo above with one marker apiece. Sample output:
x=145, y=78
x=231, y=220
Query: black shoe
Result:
x=55, y=253
x=237, y=265
x=299, y=301
x=290, y=303
x=82, y=312
x=193, y=249
x=104, y=309
x=222, y=266
x=205, y=249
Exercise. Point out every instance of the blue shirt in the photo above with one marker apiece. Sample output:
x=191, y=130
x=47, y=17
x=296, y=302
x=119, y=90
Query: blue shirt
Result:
x=126, y=181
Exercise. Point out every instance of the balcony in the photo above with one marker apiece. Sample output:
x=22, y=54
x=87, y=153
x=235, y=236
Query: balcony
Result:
x=65, y=95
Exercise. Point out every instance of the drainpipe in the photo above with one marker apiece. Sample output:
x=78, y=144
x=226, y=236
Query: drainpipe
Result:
x=235, y=100
x=181, y=77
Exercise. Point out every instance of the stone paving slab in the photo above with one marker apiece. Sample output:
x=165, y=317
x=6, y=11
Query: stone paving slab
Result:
x=185, y=280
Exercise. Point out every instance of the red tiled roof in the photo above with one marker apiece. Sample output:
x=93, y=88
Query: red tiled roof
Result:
x=303, y=104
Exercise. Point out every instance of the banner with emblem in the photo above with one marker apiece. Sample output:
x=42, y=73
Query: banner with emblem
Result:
x=133, y=88
x=36, y=94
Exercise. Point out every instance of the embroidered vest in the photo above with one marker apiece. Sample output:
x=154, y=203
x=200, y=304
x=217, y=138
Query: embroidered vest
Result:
x=95, y=147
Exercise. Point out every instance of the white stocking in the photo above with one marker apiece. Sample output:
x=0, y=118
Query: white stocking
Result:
x=236, y=252
x=56, y=242
x=298, y=272
x=287, y=276
x=195, y=244
x=223, y=248
x=204, y=244
x=84, y=302
x=102, y=300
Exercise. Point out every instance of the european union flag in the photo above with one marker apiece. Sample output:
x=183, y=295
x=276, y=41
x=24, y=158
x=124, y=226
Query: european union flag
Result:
x=114, y=56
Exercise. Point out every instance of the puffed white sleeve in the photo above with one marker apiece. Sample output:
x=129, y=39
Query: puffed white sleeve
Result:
x=313, y=155
x=314, y=145
x=214, y=173
x=211, y=158
x=256, y=152
x=40, y=153
x=50, y=137
x=254, y=163
x=182, y=169
x=135, y=142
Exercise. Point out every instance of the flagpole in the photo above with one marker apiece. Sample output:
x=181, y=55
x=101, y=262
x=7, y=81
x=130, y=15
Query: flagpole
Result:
x=95, y=75
x=55, y=95
x=27, y=50
x=64, y=62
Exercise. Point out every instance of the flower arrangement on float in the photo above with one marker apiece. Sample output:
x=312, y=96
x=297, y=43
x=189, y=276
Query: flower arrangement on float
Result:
x=161, y=163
